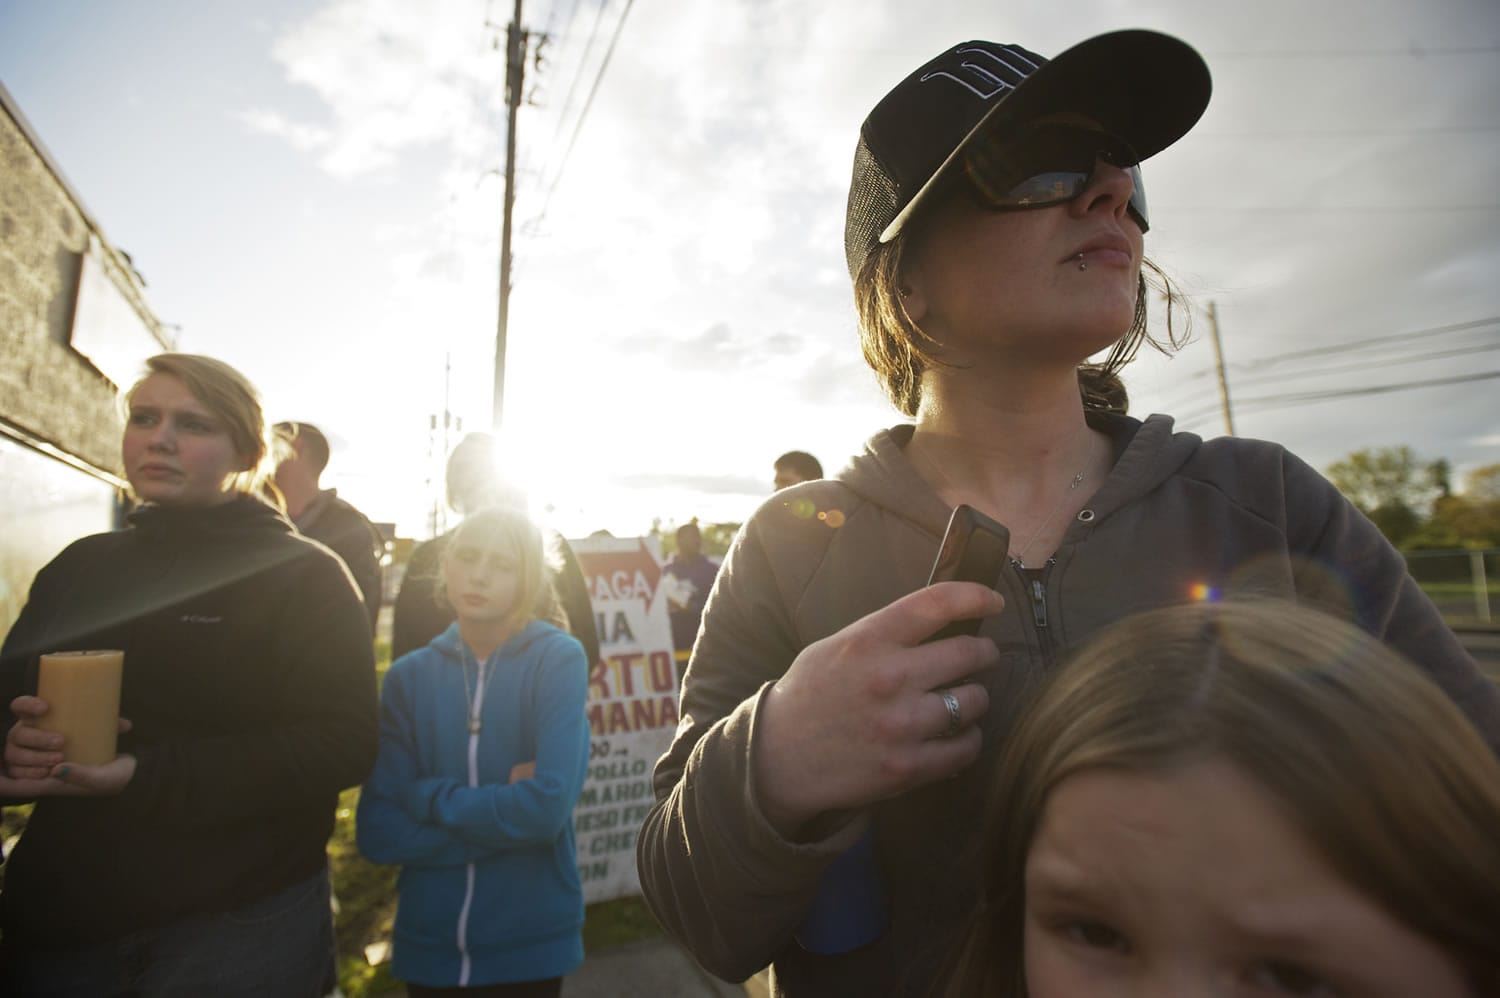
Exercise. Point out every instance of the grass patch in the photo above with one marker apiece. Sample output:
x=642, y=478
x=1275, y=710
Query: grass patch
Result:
x=11, y=826
x=366, y=894
x=618, y=922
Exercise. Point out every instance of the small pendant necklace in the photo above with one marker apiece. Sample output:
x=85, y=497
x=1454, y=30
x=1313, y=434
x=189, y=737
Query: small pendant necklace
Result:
x=474, y=702
x=1073, y=484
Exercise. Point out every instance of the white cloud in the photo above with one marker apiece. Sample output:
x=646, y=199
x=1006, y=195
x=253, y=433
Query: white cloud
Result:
x=393, y=76
x=303, y=137
x=683, y=309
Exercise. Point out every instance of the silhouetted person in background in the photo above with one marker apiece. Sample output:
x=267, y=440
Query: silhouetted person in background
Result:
x=474, y=484
x=319, y=513
x=796, y=466
x=694, y=574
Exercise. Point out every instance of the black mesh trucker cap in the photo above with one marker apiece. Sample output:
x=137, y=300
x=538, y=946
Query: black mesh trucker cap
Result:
x=1145, y=87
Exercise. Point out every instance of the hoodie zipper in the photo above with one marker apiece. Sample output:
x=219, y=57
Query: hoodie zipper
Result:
x=1035, y=588
x=476, y=711
x=1036, y=593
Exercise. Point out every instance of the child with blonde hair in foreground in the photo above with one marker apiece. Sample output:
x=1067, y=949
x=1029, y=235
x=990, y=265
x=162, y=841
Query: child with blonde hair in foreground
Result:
x=1240, y=799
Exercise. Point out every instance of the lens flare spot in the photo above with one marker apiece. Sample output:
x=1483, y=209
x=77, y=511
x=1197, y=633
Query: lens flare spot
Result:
x=834, y=518
x=802, y=509
x=1202, y=592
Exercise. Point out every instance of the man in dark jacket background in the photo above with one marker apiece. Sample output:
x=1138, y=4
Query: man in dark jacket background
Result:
x=319, y=513
x=475, y=482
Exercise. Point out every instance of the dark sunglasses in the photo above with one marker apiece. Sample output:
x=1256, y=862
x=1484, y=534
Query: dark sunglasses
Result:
x=1048, y=164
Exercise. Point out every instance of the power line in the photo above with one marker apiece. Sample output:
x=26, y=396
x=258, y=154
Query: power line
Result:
x=1260, y=363
x=1332, y=209
x=1344, y=133
x=528, y=154
x=588, y=46
x=1196, y=400
x=1300, y=398
x=1364, y=343
x=552, y=18
x=583, y=115
x=1419, y=358
x=1412, y=51
x=1368, y=341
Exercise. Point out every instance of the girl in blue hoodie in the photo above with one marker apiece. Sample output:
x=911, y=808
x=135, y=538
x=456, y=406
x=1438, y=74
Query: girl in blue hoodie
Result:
x=484, y=744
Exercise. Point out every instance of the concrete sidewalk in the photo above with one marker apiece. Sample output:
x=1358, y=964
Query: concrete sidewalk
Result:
x=653, y=968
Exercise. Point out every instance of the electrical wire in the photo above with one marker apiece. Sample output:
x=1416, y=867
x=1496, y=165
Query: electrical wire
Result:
x=1413, y=51
x=1363, y=343
x=1353, y=368
x=1369, y=341
x=1198, y=404
x=588, y=46
x=1263, y=402
x=1195, y=398
x=1421, y=358
x=1345, y=133
x=1331, y=209
x=552, y=18
x=583, y=115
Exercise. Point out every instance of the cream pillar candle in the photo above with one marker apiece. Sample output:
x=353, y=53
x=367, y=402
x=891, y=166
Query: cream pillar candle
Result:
x=82, y=690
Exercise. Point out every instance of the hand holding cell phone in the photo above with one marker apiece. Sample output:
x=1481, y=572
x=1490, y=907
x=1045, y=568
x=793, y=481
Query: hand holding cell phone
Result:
x=974, y=549
x=906, y=711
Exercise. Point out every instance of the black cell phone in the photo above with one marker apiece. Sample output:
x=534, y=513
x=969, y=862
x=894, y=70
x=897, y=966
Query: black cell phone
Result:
x=974, y=549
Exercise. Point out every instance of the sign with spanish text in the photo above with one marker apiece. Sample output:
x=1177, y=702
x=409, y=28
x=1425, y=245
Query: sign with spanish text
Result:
x=632, y=708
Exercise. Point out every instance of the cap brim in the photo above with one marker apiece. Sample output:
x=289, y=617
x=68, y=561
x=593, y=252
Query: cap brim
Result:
x=1143, y=86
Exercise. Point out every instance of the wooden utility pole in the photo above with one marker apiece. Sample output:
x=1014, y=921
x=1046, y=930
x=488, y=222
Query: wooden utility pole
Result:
x=515, y=71
x=1213, y=325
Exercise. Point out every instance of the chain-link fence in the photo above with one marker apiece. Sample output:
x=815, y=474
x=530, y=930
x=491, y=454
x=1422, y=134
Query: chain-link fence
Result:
x=1464, y=584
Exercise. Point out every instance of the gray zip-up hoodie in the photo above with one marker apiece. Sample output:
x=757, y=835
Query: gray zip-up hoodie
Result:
x=1177, y=517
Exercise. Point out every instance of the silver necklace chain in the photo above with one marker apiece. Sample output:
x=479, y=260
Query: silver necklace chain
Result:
x=1073, y=484
x=474, y=702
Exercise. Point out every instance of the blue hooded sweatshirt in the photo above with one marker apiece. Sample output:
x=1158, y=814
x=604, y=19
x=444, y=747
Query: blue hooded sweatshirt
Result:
x=489, y=887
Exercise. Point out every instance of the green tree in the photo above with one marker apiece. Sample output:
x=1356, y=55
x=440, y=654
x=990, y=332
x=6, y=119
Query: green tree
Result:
x=1469, y=519
x=1483, y=484
x=1391, y=486
x=1389, y=476
x=1440, y=476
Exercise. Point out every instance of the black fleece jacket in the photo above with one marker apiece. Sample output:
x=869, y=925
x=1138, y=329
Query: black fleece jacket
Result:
x=249, y=679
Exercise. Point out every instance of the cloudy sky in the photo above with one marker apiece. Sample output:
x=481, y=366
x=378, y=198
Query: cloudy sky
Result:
x=312, y=190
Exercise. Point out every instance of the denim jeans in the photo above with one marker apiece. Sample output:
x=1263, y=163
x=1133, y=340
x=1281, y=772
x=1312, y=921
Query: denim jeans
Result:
x=278, y=946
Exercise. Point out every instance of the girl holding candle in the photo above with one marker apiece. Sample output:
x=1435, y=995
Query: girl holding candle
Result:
x=195, y=862
x=1238, y=798
x=484, y=744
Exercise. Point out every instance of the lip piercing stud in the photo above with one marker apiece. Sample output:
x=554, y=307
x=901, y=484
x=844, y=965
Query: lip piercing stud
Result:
x=1082, y=264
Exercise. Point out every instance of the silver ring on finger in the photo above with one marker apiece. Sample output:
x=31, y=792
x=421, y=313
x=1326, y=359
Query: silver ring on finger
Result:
x=955, y=716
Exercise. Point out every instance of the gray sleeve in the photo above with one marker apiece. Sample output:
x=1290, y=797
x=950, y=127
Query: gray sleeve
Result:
x=713, y=870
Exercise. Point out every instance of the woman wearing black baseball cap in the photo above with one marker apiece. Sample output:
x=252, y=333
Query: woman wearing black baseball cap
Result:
x=820, y=803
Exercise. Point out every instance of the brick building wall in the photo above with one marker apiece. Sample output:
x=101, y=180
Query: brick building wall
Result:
x=74, y=330
x=48, y=389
